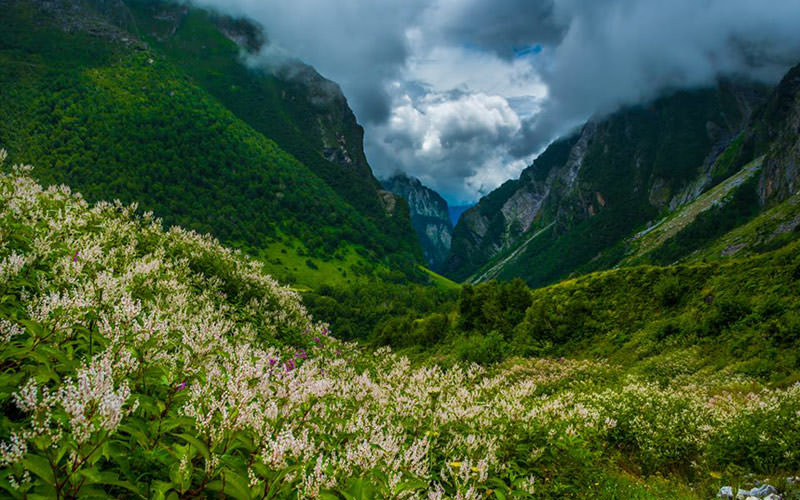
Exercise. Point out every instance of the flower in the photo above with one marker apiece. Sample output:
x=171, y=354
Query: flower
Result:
x=181, y=386
x=75, y=257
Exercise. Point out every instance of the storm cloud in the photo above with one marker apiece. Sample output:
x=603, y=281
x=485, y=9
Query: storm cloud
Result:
x=464, y=93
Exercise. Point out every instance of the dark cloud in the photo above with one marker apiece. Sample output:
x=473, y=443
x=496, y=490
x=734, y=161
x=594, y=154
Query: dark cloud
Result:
x=444, y=95
x=360, y=44
x=502, y=25
x=622, y=52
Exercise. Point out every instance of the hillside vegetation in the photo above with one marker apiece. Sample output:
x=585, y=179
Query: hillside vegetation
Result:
x=571, y=211
x=143, y=363
x=95, y=108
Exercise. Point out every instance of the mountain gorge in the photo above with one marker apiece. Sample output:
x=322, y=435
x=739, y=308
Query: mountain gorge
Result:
x=205, y=292
x=430, y=217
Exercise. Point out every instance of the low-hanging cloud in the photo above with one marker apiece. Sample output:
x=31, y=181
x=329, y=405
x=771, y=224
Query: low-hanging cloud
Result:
x=463, y=93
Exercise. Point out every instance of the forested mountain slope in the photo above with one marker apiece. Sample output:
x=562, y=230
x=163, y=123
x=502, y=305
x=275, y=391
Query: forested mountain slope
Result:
x=572, y=210
x=429, y=216
x=93, y=96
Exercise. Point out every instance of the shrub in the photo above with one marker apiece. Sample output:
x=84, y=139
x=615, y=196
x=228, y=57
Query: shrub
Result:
x=482, y=349
x=668, y=291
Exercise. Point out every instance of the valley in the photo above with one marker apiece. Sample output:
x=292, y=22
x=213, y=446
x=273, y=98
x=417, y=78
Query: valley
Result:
x=208, y=290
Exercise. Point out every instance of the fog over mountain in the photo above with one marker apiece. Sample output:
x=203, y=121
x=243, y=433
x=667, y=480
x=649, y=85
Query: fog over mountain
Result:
x=463, y=93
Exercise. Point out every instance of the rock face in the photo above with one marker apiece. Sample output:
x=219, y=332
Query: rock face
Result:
x=780, y=123
x=592, y=188
x=429, y=217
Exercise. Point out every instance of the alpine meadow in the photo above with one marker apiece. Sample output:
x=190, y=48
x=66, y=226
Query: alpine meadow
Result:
x=518, y=250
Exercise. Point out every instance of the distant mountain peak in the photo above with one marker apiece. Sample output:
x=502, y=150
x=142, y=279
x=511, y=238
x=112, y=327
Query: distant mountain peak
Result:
x=430, y=216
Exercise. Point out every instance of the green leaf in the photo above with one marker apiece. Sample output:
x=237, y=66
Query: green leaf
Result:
x=159, y=489
x=236, y=485
x=4, y=484
x=410, y=485
x=131, y=428
x=196, y=443
x=93, y=493
x=35, y=328
x=41, y=467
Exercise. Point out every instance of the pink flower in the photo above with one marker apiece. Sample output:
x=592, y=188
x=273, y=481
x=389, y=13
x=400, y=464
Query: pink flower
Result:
x=75, y=257
x=181, y=386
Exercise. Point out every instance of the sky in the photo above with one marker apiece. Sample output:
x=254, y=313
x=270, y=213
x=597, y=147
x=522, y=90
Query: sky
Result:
x=463, y=94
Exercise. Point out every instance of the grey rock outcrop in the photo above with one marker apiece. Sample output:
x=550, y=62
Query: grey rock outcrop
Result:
x=429, y=217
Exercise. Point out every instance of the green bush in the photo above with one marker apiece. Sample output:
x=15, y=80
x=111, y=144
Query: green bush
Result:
x=482, y=349
x=668, y=291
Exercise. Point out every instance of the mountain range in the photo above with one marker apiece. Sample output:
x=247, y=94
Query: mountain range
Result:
x=170, y=106
x=206, y=292
x=654, y=183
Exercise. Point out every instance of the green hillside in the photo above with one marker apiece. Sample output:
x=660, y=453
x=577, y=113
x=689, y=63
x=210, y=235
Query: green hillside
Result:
x=143, y=363
x=291, y=111
x=104, y=114
x=574, y=209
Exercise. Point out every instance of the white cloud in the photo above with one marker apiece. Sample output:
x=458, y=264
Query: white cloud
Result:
x=454, y=144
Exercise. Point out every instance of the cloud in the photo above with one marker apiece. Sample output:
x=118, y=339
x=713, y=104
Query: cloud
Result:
x=620, y=52
x=360, y=44
x=454, y=144
x=463, y=93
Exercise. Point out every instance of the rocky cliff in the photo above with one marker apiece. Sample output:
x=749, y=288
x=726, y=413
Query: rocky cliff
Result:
x=779, y=126
x=571, y=207
x=429, y=216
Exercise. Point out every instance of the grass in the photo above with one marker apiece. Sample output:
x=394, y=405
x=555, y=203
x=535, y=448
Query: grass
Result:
x=770, y=230
x=656, y=235
x=440, y=281
x=290, y=262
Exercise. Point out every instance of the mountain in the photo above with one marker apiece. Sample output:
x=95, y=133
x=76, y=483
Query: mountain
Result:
x=430, y=217
x=158, y=103
x=573, y=209
x=779, y=130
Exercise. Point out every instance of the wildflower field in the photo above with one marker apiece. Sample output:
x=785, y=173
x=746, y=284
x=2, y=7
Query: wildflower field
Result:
x=144, y=363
